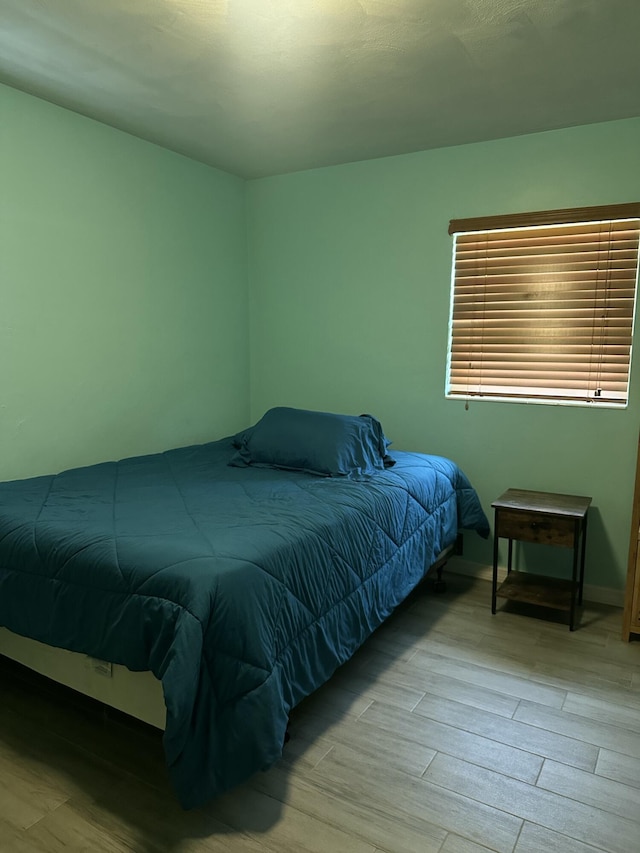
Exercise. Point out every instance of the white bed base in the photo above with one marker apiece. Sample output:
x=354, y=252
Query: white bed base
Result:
x=136, y=693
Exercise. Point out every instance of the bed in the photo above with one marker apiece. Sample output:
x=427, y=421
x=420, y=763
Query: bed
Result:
x=241, y=585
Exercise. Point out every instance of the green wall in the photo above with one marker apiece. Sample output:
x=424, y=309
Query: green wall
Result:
x=126, y=325
x=349, y=299
x=123, y=294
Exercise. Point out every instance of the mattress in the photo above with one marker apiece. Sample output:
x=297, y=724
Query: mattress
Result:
x=240, y=589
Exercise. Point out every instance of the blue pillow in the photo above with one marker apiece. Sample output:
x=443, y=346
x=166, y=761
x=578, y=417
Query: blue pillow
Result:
x=238, y=438
x=316, y=442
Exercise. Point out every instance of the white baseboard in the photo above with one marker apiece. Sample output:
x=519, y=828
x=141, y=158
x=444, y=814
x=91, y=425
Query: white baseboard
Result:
x=598, y=594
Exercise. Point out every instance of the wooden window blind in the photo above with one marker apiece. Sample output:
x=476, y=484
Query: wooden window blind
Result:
x=543, y=305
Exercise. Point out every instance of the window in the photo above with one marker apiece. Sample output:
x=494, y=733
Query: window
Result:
x=542, y=305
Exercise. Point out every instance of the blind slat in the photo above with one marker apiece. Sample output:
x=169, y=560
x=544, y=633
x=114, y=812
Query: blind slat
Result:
x=548, y=278
x=520, y=265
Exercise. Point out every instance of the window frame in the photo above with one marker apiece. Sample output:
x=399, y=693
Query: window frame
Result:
x=591, y=293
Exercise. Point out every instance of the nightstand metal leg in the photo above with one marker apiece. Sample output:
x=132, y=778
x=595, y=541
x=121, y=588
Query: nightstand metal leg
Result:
x=583, y=551
x=574, y=575
x=494, y=587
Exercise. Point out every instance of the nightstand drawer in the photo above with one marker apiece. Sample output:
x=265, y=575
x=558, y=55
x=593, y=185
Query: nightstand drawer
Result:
x=535, y=527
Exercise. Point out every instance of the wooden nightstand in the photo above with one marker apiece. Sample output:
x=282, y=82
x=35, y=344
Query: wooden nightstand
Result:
x=548, y=519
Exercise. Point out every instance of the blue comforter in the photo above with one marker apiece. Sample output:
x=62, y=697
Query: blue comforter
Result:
x=242, y=590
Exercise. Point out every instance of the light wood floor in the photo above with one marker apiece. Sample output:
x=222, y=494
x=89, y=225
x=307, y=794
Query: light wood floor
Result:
x=451, y=731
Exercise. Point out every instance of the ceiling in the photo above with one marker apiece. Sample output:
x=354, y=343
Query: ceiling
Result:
x=263, y=87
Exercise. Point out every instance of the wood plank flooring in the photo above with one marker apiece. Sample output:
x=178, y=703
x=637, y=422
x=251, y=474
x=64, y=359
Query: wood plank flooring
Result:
x=451, y=731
